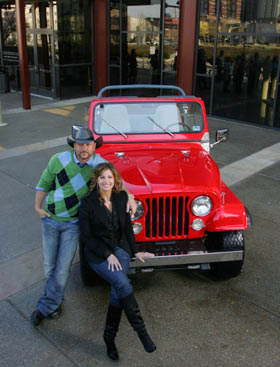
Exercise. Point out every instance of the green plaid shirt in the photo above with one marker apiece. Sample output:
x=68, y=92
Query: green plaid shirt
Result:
x=66, y=184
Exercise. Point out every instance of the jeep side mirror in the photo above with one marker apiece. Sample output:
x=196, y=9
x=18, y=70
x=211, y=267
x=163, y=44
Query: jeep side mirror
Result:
x=221, y=136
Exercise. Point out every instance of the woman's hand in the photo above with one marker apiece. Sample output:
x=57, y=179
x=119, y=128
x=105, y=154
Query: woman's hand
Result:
x=113, y=262
x=144, y=255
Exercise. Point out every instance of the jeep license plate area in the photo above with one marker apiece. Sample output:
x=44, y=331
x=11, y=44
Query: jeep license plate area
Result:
x=167, y=248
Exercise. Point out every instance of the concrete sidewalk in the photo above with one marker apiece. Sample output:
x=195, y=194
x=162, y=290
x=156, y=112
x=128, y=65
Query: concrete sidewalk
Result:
x=193, y=320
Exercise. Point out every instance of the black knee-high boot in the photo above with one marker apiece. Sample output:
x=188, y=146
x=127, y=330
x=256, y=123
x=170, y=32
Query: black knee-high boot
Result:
x=134, y=317
x=111, y=328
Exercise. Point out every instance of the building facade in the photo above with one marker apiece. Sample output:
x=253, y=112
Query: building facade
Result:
x=225, y=51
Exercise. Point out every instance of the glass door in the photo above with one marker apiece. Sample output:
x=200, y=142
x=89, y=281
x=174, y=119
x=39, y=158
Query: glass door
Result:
x=40, y=45
x=136, y=42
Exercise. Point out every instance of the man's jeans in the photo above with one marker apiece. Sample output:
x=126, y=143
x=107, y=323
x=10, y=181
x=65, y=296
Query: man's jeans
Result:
x=60, y=240
x=120, y=284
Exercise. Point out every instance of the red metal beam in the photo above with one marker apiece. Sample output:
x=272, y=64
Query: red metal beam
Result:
x=100, y=44
x=22, y=51
x=186, y=46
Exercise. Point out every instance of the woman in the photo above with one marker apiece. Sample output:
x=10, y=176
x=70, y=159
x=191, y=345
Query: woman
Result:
x=106, y=230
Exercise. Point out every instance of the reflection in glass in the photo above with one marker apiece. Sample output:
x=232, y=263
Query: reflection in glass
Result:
x=203, y=90
x=204, y=71
x=44, y=60
x=28, y=16
x=249, y=16
x=42, y=15
x=245, y=66
x=141, y=17
x=31, y=60
x=74, y=32
x=114, y=54
x=246, y=79
x=114, y=15
x=140, y=60
x=115, y=48
x=55, y=21
x=9, y=36
x=171, y=34
x=75, y=80
x=147, y=49
x=8, y=44
x=168, y=78
x=170, y=42
x=114, y=75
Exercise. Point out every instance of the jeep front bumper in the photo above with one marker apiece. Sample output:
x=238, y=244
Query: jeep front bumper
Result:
x=192, y=258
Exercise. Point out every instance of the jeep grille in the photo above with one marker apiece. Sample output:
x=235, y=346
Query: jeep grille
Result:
x=167, y=217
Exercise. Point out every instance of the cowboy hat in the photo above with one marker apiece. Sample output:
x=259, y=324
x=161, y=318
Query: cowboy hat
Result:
x=83, y=135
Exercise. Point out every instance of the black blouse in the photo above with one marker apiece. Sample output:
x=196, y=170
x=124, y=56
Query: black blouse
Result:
x=113, y=224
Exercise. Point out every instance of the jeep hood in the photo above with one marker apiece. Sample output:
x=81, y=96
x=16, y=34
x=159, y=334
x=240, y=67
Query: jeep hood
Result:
x=165, y=169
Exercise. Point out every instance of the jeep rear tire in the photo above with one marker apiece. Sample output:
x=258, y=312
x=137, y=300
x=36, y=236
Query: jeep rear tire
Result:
x=231, y=240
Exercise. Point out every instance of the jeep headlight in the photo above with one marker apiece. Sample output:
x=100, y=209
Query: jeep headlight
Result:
x=139, y=211
x=201, y=206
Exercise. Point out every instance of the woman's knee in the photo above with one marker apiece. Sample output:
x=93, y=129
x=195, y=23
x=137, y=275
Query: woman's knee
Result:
x=122, y=286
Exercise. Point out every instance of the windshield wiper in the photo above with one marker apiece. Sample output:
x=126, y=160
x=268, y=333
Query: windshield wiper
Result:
x=117, y=130
x=161, y=127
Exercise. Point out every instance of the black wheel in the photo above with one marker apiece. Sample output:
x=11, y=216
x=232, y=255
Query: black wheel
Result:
x=231, y=240
x=89, y=277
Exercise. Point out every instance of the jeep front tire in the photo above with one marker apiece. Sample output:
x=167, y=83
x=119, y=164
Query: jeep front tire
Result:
x=231, y=240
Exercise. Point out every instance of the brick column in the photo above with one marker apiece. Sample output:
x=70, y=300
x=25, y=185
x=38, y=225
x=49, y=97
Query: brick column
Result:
x=100, y=45
x=186, y=46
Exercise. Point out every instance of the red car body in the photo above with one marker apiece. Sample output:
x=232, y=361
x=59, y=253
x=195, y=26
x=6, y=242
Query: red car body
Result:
x=169, y=169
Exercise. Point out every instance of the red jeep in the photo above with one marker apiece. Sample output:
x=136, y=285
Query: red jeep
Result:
x=186, y=214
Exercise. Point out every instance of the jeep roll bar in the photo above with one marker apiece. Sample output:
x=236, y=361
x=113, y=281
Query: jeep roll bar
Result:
x=140, y=86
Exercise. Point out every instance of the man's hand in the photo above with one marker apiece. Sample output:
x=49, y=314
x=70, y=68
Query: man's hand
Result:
x=39, y=198
x=42, y=213
x=131, y=205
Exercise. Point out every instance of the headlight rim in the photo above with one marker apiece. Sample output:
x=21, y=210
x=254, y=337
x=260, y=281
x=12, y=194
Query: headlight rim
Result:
x=141, y=205
x=194, y=203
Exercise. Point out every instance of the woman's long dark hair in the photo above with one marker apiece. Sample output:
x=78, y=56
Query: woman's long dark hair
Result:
x=99, y=169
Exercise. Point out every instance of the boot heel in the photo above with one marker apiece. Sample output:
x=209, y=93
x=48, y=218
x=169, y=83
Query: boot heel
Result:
x=147, y=342
x=111, y=349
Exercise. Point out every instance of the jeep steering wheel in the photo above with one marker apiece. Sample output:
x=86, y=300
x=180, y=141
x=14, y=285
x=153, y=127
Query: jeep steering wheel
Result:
x=179, y=123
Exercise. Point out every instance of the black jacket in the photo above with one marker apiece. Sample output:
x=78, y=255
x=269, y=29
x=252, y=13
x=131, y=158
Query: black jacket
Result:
x=94, y=228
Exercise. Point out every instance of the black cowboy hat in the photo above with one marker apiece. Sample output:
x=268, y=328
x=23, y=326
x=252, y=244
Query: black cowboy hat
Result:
x=83, y=135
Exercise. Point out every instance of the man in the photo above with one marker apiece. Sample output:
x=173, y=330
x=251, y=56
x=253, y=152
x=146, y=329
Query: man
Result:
x=63, y=184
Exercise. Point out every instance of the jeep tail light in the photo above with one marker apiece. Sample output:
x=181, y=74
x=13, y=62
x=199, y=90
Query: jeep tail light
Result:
x=205, y=142
x=201, y=206
x=139, y=211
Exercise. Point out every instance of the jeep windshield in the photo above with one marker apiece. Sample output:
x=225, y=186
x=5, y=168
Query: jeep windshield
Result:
x=148, y=118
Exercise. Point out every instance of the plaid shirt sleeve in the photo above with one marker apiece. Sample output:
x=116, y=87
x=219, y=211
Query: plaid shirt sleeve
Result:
x=48, y=176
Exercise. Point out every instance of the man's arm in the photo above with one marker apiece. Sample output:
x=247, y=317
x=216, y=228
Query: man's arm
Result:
x=39, y=198
x=131, y=204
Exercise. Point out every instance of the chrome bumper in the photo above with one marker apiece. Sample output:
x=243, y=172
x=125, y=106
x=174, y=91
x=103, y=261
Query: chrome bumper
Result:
x=198, y=257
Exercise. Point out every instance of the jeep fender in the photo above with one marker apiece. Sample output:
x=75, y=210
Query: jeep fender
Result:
x=230, y=216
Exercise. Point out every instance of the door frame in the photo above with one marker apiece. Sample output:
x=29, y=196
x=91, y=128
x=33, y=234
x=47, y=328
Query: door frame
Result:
x=49, y=32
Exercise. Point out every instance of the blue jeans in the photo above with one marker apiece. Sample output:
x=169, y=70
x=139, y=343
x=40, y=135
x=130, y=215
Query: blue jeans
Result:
x=60, y=240
x=120, y=284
